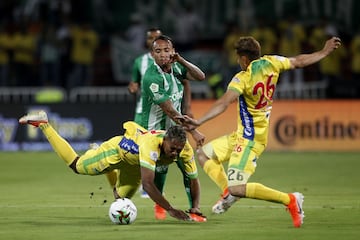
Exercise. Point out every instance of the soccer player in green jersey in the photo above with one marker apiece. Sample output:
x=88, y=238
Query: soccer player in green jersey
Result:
x=162, y=93
x=133, y=157
x=141, y=64
x=253, y=88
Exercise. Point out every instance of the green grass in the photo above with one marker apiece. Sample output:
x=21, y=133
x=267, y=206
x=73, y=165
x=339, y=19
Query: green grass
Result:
x=40, y=198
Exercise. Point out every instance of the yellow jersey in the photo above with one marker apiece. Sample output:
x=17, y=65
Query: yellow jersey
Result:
x=256, y=86
x=147, y=144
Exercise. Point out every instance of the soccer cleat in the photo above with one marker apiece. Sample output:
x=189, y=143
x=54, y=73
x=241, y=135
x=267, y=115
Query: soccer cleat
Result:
x=295, y=208
x=160, y=213
x=224, y=203
x=34, y=118
x=197, y=217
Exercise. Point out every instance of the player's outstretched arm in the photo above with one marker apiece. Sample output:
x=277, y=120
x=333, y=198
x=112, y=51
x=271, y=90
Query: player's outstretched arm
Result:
x=147, y=177
x=304, y=60
x=219, y=106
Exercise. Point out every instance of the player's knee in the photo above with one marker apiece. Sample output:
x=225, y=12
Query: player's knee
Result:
x=202, y=158
x=238, y=190
x=73, y=165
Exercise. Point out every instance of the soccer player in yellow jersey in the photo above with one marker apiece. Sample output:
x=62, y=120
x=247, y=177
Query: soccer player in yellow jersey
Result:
x=253, y=88
x=132, y=157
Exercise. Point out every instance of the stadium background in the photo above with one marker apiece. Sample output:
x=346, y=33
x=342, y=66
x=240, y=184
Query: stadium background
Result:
x=316, y=121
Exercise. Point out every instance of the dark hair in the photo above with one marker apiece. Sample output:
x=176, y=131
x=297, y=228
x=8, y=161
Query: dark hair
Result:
x=153, y=29
x=177, y=133
x=249, y=47
x=163, y=37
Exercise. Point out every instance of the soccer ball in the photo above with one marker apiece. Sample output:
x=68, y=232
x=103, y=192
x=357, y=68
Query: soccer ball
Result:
x=123, y=211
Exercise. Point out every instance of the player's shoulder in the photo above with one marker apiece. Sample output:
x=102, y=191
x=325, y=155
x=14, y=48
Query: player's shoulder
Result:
x=274, y=58
x=153, y=138
x=152, y=74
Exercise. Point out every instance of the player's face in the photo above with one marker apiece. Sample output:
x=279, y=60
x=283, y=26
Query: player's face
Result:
x=172, y=148
x=150, y=37
x=162, y=51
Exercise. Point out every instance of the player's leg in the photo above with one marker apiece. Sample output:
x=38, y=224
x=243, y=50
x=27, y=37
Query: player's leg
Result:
x=159, y=180
x=58, y=143
x=211, y=158
x=242, y=165
x=186, y=181
x=128, y=180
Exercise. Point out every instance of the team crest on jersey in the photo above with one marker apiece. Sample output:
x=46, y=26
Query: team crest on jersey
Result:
x=154, y=156
x=235, y=79
x=154, y=87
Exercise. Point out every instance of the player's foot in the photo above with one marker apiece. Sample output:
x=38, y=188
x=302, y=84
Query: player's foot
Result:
x=295, y=208
x=197, y=218
x=34, y=118
x=224, y=203
x=160, y=213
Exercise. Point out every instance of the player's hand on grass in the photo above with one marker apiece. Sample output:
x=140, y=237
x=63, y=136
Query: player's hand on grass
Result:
x=179, y=214
x=196, y=215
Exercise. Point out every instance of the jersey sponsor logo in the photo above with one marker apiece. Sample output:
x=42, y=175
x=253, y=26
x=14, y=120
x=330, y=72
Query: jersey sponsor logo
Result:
x=154, y=87
x=176, y=96
x=162, y=168
x=247, y=120
x=129, y=145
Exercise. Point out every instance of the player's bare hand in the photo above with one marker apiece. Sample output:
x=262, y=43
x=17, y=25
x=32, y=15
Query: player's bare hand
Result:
x=179, y=214
x=175, y=57
x=190, y=121
x=133, y=87
x=332, y=44
x=180, y=119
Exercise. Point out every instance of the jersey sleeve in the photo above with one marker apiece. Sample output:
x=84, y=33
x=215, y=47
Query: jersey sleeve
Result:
x=179, y=71
x=149, y=153
x=153, y=87
x=187, y=158
x=237, y=83
x=280, y=63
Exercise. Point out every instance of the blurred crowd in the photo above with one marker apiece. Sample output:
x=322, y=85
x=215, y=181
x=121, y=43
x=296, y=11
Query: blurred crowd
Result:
x=50, y=43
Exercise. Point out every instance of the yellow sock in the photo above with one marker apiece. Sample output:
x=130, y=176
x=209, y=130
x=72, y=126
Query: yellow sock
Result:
x=112, y=178
x=59, y=144
x=217, y=173
x=259, y=191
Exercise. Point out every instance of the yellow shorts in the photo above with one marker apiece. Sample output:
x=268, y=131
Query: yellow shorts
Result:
x=109, y=157
x=101, y=160
x=241, y=155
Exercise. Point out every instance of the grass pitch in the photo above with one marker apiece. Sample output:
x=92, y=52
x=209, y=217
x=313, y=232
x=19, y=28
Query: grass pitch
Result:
x=40, y=198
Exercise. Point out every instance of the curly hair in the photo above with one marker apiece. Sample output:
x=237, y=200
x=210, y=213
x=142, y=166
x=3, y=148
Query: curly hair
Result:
x=177, y=133
x=249, y=47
